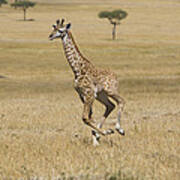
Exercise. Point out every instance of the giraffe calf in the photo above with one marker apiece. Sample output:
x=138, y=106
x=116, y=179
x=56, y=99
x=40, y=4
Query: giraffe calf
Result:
x=90, y=83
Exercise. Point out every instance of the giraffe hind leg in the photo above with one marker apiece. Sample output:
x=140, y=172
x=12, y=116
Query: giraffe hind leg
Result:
x=103, y=98
x=120, y=103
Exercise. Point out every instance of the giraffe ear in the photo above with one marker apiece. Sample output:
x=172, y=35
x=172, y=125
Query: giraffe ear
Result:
x=68, y=26
x=57, y=22
x=62, y=22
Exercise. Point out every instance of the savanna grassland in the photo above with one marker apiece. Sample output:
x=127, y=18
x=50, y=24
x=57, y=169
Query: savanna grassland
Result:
x=42, y=135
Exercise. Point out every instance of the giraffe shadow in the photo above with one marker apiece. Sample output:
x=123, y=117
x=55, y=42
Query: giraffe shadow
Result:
x=111, y=40
x=25, y=20
x=2, y=77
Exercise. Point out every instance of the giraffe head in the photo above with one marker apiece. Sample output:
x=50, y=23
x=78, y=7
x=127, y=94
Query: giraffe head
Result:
x=59, y=30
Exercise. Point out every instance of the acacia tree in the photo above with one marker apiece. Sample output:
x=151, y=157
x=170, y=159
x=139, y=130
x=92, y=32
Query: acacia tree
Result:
x=114, y=18
x=2, y=2
x=25, y=4
x=15, y=2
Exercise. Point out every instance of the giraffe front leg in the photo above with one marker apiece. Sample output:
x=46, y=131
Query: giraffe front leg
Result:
x=83, y=101
x=87, y=121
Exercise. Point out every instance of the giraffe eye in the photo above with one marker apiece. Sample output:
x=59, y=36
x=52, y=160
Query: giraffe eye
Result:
x=60, y=31
x=54, y=26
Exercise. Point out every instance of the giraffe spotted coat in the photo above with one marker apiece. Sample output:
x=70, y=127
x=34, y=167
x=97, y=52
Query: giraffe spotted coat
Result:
x=90, y=82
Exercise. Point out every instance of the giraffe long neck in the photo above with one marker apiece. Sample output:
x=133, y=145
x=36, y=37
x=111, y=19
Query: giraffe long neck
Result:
x=76, y=61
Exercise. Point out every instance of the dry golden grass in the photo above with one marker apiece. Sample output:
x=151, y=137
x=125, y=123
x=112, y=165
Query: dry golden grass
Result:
x=41, y=132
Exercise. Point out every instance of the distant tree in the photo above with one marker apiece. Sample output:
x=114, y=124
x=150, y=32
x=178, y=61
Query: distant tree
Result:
x=25, y=4
x=15, y=2
x=2, y=2
x=114, y=18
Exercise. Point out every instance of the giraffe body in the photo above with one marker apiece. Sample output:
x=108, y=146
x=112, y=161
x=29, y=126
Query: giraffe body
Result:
x=90, y=83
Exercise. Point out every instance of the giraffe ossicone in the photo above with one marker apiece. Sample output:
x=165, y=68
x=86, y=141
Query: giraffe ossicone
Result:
x=91, y=83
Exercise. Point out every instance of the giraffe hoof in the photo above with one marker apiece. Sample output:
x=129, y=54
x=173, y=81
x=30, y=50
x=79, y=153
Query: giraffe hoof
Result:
x=96, y=138
x=95, y=143
x=109, y=131
x=94, y=133
x=121, y=131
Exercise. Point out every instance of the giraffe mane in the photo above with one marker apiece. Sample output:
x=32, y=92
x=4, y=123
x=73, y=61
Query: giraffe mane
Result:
x=71, y=36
